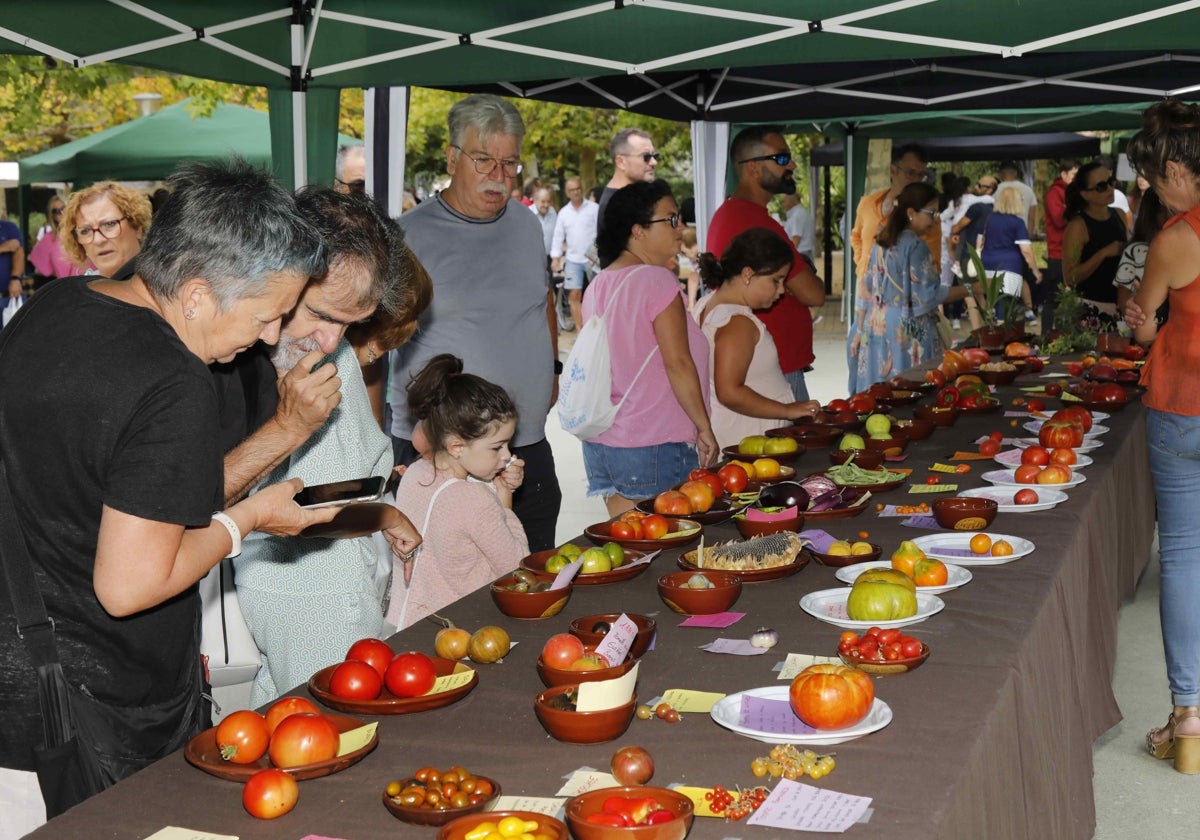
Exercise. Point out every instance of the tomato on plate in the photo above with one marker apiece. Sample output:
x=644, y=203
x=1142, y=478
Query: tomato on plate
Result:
x=657, y=526
x=410, y=674
x=355, y=680
x=375, y=652
x=243, y=736
x=269, y=794
x=303, y=738
x=286, y=706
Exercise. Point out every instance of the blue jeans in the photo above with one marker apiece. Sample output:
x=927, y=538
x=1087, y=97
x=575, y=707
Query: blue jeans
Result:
x=574, y=274
x=799, y=389
x=637, y=472
x=1174, y=447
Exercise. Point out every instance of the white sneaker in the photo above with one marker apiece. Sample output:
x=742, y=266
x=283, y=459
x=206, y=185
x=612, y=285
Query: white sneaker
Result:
x=956, y=324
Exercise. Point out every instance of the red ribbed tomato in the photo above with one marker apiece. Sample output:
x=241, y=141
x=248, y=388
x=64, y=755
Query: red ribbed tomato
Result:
x=1060, y=434
x=831, y=696
x=1077, y=413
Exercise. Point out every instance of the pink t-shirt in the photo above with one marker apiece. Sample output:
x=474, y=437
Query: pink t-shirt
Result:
x=49, y=259
x=651, y=415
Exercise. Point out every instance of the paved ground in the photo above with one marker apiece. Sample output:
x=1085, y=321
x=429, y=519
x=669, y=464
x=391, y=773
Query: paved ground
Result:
x=1136, y=796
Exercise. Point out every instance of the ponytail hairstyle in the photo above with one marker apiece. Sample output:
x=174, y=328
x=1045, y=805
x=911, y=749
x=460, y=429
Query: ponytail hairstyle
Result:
x=450, y=402
x=756, y=248
x=913, y=197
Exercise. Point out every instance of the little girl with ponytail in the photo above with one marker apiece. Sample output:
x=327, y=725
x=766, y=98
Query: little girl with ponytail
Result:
x=462, y=493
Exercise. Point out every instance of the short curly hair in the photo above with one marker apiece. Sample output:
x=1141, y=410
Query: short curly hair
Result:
x=131, y=203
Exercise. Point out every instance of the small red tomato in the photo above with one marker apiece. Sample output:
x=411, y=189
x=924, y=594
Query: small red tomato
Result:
x=933, y=479
x=892, y=652
x=848, y=640
x=1053, y=389
x=910, y=647
x=269, y=794
x=1036, y=405
x=989, y=447
x=868, y=646
x=886, y=637
x=997, y=436
x=1026, y=497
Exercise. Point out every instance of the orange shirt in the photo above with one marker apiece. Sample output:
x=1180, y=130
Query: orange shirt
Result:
x=1170, y=370
x=867, y=222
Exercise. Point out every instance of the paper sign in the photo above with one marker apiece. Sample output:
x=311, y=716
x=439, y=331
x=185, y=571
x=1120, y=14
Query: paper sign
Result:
x=1067, y=396
x=946, y=468
x=606, y=694
x=933, y=488
x=922, y=521
x=356, y=739
x=548, y=805
x=566, y=574
x=722, y=619
x=802, y=807
x=174, y=832
x=821, y=540
x=685, y=700
x=696, y=794
x=902, y=470
x=456, y=679
x=618, y=640
x=585, y=779
x=1055, y=375
x=1016, y=414
x=797, y=662
x=970, y=456
x=737, y=647
x=773, y=716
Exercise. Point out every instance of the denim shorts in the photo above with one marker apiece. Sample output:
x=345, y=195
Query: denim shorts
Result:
x=637, y=472
x=574, y=274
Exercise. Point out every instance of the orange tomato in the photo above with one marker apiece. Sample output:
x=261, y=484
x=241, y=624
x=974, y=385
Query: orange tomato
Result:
x=1002, y=548
x=930, y=572
x=980, y=543
x=766, y=468
x=655, y=526
x=1065, y=457
x=1054, y=474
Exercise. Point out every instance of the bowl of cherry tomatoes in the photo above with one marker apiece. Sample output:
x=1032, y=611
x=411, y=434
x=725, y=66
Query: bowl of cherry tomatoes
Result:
x=882, y=652
x=625, y=813
x=435, y=797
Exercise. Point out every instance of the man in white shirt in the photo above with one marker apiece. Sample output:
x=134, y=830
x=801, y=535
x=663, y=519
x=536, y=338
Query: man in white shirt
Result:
x=799, y=225
x=1010, y=179
x=545, y=213
x=577, y=227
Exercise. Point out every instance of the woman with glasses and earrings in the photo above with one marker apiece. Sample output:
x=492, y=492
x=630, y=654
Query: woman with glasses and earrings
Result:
x=48, y=258
x=1092, y=245
x=659, y=357
x=896, y=301
x=103, y=226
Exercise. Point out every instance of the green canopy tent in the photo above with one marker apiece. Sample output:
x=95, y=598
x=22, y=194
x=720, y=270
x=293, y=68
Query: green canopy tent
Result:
x=149, y=147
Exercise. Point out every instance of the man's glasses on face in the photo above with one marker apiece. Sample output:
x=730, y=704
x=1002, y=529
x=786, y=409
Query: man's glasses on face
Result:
x=486, y=165
x=645, y=156
x=984, y=186
x=780, y=158
x=353, y=186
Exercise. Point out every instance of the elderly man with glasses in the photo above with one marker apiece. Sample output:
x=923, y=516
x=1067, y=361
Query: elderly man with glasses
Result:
x=764, y=169
x=634, y=160
x=908, y=167
x=492, y=304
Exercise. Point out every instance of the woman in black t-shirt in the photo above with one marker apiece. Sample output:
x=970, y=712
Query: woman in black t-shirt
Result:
x=1092, y=244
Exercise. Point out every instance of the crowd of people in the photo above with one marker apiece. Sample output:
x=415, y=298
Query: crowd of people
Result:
x=324, y=341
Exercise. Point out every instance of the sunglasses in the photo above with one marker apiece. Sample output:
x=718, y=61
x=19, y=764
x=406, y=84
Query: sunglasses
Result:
x=645, y=156
x=781, y=158
x=984, y=186
x=1100, y=186
x=57, y=211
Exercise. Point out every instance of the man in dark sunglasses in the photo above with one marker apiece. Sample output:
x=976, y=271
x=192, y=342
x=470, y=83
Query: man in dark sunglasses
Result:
x=634, y=160
x=764, y=169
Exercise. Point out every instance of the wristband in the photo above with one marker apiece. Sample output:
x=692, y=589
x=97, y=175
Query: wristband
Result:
x=235, y=534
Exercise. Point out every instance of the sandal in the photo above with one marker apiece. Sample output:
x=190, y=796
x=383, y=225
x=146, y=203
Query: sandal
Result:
x=1184, y=749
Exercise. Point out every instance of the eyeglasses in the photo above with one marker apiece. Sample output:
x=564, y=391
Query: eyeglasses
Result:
x=107, y=229
x=928, y=212
x=920, y=174
x=984, y=186
x=645, y=156
x=57, y=211
x=358, y=186
x=780, y=158
x=672, y=220
x=486, y=165
x=1100, y=186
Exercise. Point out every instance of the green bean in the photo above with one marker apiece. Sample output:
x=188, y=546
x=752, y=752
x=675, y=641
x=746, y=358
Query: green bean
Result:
x=851, y=473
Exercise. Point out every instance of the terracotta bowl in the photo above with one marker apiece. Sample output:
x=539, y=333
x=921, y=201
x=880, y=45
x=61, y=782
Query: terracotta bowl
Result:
x=431, y=816
x=998, y=377
x=868, y=459
x=726, y=589
x=895, y=666
x=562, y=676
x=530, y=605
x=548, y=827
x=578, y=808
x=809, y=435
x=938, y=416
x=847, y=421
x=582, y=628
x=837, y=561
x=750, y=529
x=916, y=429
x=965, y=513
x=889, y=446
x=582, y=727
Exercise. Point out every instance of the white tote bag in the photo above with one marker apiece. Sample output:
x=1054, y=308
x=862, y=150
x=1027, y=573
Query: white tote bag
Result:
x=585, y=407
x=225, y=638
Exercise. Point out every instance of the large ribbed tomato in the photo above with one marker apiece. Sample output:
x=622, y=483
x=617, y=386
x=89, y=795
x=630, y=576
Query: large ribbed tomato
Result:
x=1077, y=413
x=831, y=696
x=1060, y=434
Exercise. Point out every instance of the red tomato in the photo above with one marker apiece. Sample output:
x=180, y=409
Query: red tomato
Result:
x=935, y=377
x=698, y=473
x=410, y=674
x=831, y=696
x=892, y=652
x=1027, y=473
x=1036, y=405
x=672, y=503
x=355, y=680
x=1053, y=389
x=656, y=526
x=1064, y=457
x=1059, y=434
x=862, y=404
x=733, y=478
x=838, y=405
x=303, y=738
x=1026, y=497
x=910, y=647
x=1134, y=352
x=1039, y=456
x=699, y=494
x=989, y=447
x=621, y=531
x=561, y=650
x=375, y=652
x=288, y=706
x=848, y=640
x=242, y=737
x=714, y=483
x=997, y=436
x=886, y=637
x=1033, y=364
x=933, y=479
x=269, y=794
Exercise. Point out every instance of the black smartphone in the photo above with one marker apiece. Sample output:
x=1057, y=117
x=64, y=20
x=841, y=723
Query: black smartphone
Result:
x=341, y=492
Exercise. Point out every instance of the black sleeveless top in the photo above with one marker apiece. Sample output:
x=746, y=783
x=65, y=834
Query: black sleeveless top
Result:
x=1099, y=286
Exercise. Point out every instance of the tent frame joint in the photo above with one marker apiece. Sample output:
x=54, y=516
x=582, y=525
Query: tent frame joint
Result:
x=464, y=40
x=815, y=26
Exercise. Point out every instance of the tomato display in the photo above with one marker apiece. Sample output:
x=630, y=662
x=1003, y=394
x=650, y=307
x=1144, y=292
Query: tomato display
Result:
x=831, y=696
x=655, y=526
x=449, y=643
x=561, y=650
x=490, y=644
x=411, y=674
x=355, y=680
x=862, y=404
x=625, y=811
x=440, y=790
x=269, y=794
x=877, y=645
x=286, y=706
x=672, y=503
x=733, y=478
x=375, y=652
x=303, y=738
x=242, y=737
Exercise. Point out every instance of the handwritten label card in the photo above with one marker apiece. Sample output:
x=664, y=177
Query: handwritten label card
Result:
x=797, y=662
x=945, y=468
x=585, y=779
x=922, y=521
x=933, y=488
x=723, y=619
x=735, y=647
x=174, y=832
x=456, y=679
x=618, y=640
x=356, y=739
x=821, y=540
x=773, y=716
x=685, y=700
x=802, y=807
x=606, y=694
x=970, y=456
x=548, y=805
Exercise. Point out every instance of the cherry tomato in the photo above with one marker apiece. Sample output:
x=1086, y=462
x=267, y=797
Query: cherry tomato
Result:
x=933, y=479
x=886, y=637
x=242, y=737
x=355, y=680
x=848, y=640
x=662, y=709
x=997, y=436
x=989, y=447
x=303, y=738
x=269, y=794
x=910, y=647
x=892, y=652
x=410, y=674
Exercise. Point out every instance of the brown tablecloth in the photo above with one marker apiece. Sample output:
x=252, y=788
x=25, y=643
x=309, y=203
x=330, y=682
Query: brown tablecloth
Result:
x=992, y=737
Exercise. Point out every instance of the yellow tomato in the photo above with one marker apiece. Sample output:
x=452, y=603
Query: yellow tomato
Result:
x=980, y=543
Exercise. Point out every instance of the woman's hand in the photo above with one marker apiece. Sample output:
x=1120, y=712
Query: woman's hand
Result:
x=1112, y=249
x=799, y=410
x=1134, y=316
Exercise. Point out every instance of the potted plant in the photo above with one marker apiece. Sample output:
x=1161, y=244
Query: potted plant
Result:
x=992, y=335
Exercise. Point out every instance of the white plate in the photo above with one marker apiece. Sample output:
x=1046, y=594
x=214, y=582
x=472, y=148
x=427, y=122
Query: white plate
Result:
x=1003, y=496
x=1087, y=446
x=941, y=546
x=1035, y=426
x=1099, y=416
x=727, y=712
x=1011, y=458
x=829, y=605
x=956, y=576
x=1007, y=478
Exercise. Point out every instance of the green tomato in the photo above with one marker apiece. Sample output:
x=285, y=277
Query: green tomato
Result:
x=556, y=564
x=615, y=553
x=571, y=552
